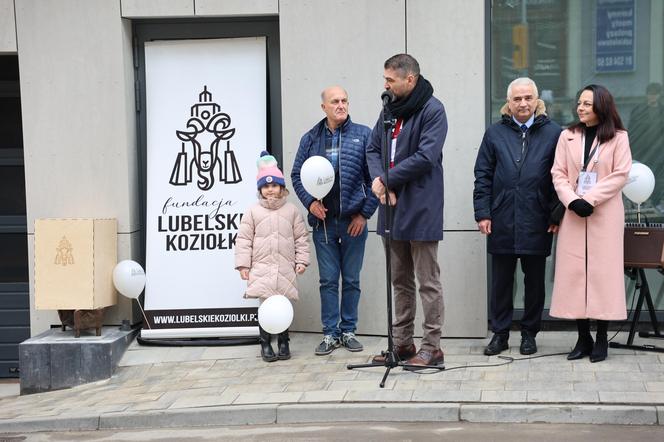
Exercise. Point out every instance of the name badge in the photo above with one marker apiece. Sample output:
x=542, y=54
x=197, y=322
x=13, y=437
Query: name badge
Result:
x=586, y=182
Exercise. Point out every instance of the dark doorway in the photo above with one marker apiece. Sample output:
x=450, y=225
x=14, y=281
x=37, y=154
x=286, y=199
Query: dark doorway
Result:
x=14, y=288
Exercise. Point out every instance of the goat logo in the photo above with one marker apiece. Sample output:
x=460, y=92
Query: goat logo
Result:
x=64, y=253
x=206, y=129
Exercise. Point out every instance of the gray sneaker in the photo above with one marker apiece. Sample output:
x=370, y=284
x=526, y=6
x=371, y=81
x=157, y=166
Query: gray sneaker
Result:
x=351, y=343
x=327, y=346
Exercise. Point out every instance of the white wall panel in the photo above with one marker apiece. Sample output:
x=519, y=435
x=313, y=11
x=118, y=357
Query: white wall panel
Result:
x=7, y=27
x=157, y=8
x=232, y=8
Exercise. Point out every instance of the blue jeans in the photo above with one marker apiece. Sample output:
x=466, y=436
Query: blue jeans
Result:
x=342, y=255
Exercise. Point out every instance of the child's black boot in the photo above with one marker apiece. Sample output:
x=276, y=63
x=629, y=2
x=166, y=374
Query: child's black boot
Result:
x=266, y=348
x=284, y=350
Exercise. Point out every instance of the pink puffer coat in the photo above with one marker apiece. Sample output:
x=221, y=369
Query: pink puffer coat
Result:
x=272, y=239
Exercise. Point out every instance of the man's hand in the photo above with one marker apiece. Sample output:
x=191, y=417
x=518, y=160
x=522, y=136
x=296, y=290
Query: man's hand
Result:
x=300, y=268
x=377, y=187
x=317, y=209
x=485, y=226
x=393, y=198
x=552, y=229
x=244, y=273
x=356, y=225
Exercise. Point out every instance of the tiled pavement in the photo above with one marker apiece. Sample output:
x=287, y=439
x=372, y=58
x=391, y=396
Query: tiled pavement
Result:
x=178, y=386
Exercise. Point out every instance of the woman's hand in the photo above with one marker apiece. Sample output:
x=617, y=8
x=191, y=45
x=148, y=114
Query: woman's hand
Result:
x=244, y=273
x=300, y=268
x=581, y=207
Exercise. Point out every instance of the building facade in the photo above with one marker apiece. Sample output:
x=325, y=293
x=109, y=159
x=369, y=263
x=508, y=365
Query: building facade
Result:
x=79, y=85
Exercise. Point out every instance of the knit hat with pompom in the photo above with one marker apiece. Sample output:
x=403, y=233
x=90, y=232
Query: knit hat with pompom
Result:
x=268, y=171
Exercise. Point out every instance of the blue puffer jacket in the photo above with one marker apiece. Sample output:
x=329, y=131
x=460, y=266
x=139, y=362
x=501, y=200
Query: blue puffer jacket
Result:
x=355, y=183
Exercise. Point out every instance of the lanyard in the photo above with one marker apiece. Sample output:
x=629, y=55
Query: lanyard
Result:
x=585, y=161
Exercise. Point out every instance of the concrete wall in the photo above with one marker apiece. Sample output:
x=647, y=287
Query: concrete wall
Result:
x=79, y=127
x=79, y=122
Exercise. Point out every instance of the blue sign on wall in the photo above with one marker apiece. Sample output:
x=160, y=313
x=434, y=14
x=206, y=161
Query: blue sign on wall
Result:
x=614, y=43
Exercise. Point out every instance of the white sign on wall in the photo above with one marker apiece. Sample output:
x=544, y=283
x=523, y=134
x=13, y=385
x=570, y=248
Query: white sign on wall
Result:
x=206, y=126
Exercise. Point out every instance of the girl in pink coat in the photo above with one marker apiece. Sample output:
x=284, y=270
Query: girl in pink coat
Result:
x=271, y=247
x=591, y=167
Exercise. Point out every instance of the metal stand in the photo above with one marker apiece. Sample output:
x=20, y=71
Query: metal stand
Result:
x=391, y=358
x=644, y=294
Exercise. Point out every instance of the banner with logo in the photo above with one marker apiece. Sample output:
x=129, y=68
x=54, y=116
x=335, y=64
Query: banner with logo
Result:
x=206, y=126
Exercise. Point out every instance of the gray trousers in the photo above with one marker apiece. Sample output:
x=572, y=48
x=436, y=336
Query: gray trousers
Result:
x=410, y=260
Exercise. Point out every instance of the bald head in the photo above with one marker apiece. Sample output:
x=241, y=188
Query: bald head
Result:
x=334, y=102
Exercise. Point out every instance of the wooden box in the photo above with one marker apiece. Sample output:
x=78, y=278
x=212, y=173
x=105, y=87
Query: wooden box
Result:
x=74, y=261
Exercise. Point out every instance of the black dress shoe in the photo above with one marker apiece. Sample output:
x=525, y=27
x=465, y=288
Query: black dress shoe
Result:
x=498, y=344
x=528, y=344
x=583, y=348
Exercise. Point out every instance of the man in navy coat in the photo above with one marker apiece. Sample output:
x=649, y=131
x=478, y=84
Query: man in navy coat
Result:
x=415, y=179
x=513, y=198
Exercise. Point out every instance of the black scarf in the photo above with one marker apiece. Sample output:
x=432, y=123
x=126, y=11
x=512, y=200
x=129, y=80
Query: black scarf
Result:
x=406, y=107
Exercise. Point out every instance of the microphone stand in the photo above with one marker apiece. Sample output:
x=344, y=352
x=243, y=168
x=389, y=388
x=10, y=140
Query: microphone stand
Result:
x=391, y=358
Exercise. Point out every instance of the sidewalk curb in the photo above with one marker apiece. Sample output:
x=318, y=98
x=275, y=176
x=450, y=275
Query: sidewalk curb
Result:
x=342, y=412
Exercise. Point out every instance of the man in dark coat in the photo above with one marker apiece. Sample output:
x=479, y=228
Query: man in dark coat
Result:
x=513, y=198
x=415, y=180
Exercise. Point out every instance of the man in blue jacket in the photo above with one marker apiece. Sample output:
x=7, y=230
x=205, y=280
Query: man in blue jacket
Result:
x=339, y=221
x=415, y=179
x=513, y=198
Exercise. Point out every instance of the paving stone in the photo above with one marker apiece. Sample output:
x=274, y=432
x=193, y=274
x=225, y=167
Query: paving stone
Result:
x=558, y=396
x=323, y=396
x=503, y=396
x=610, y=386
x=483, y=385
x=256, y=388
x=307, y=386
x=225, y=398
x=654, y=386
x=378, y=396
x=446, y=395
x=359, y=385
x=268, y=398
x=660, y=415
x=539, y=385
x=627, y=397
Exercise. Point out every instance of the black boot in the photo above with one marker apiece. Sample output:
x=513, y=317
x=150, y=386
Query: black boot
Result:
x=601, y=348
x=584, y=343
x=266, y=348
x=282, y=341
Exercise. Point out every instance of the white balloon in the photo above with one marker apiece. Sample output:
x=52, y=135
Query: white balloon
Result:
x=275, y=314
x=129, y=278
x=640, y=183
x=317, y=175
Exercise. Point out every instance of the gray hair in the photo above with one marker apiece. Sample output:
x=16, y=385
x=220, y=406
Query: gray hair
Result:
x=322, y=94
x=522, y=81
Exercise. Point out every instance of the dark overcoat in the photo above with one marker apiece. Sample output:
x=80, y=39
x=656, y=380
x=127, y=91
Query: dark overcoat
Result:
x=417, y=175
x=513, y=186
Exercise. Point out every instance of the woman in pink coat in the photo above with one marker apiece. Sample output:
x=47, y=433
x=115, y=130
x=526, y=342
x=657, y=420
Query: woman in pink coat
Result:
x=591, y=166
x=271, y=248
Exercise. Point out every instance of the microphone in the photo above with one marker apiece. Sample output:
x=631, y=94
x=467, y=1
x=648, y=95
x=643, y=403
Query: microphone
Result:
x=387, y=97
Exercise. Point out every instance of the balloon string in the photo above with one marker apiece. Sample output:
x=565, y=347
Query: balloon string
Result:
x=142, y=311
x=324, y=226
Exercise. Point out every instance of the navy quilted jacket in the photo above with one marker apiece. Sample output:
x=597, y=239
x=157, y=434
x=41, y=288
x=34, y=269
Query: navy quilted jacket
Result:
x=355, y=183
